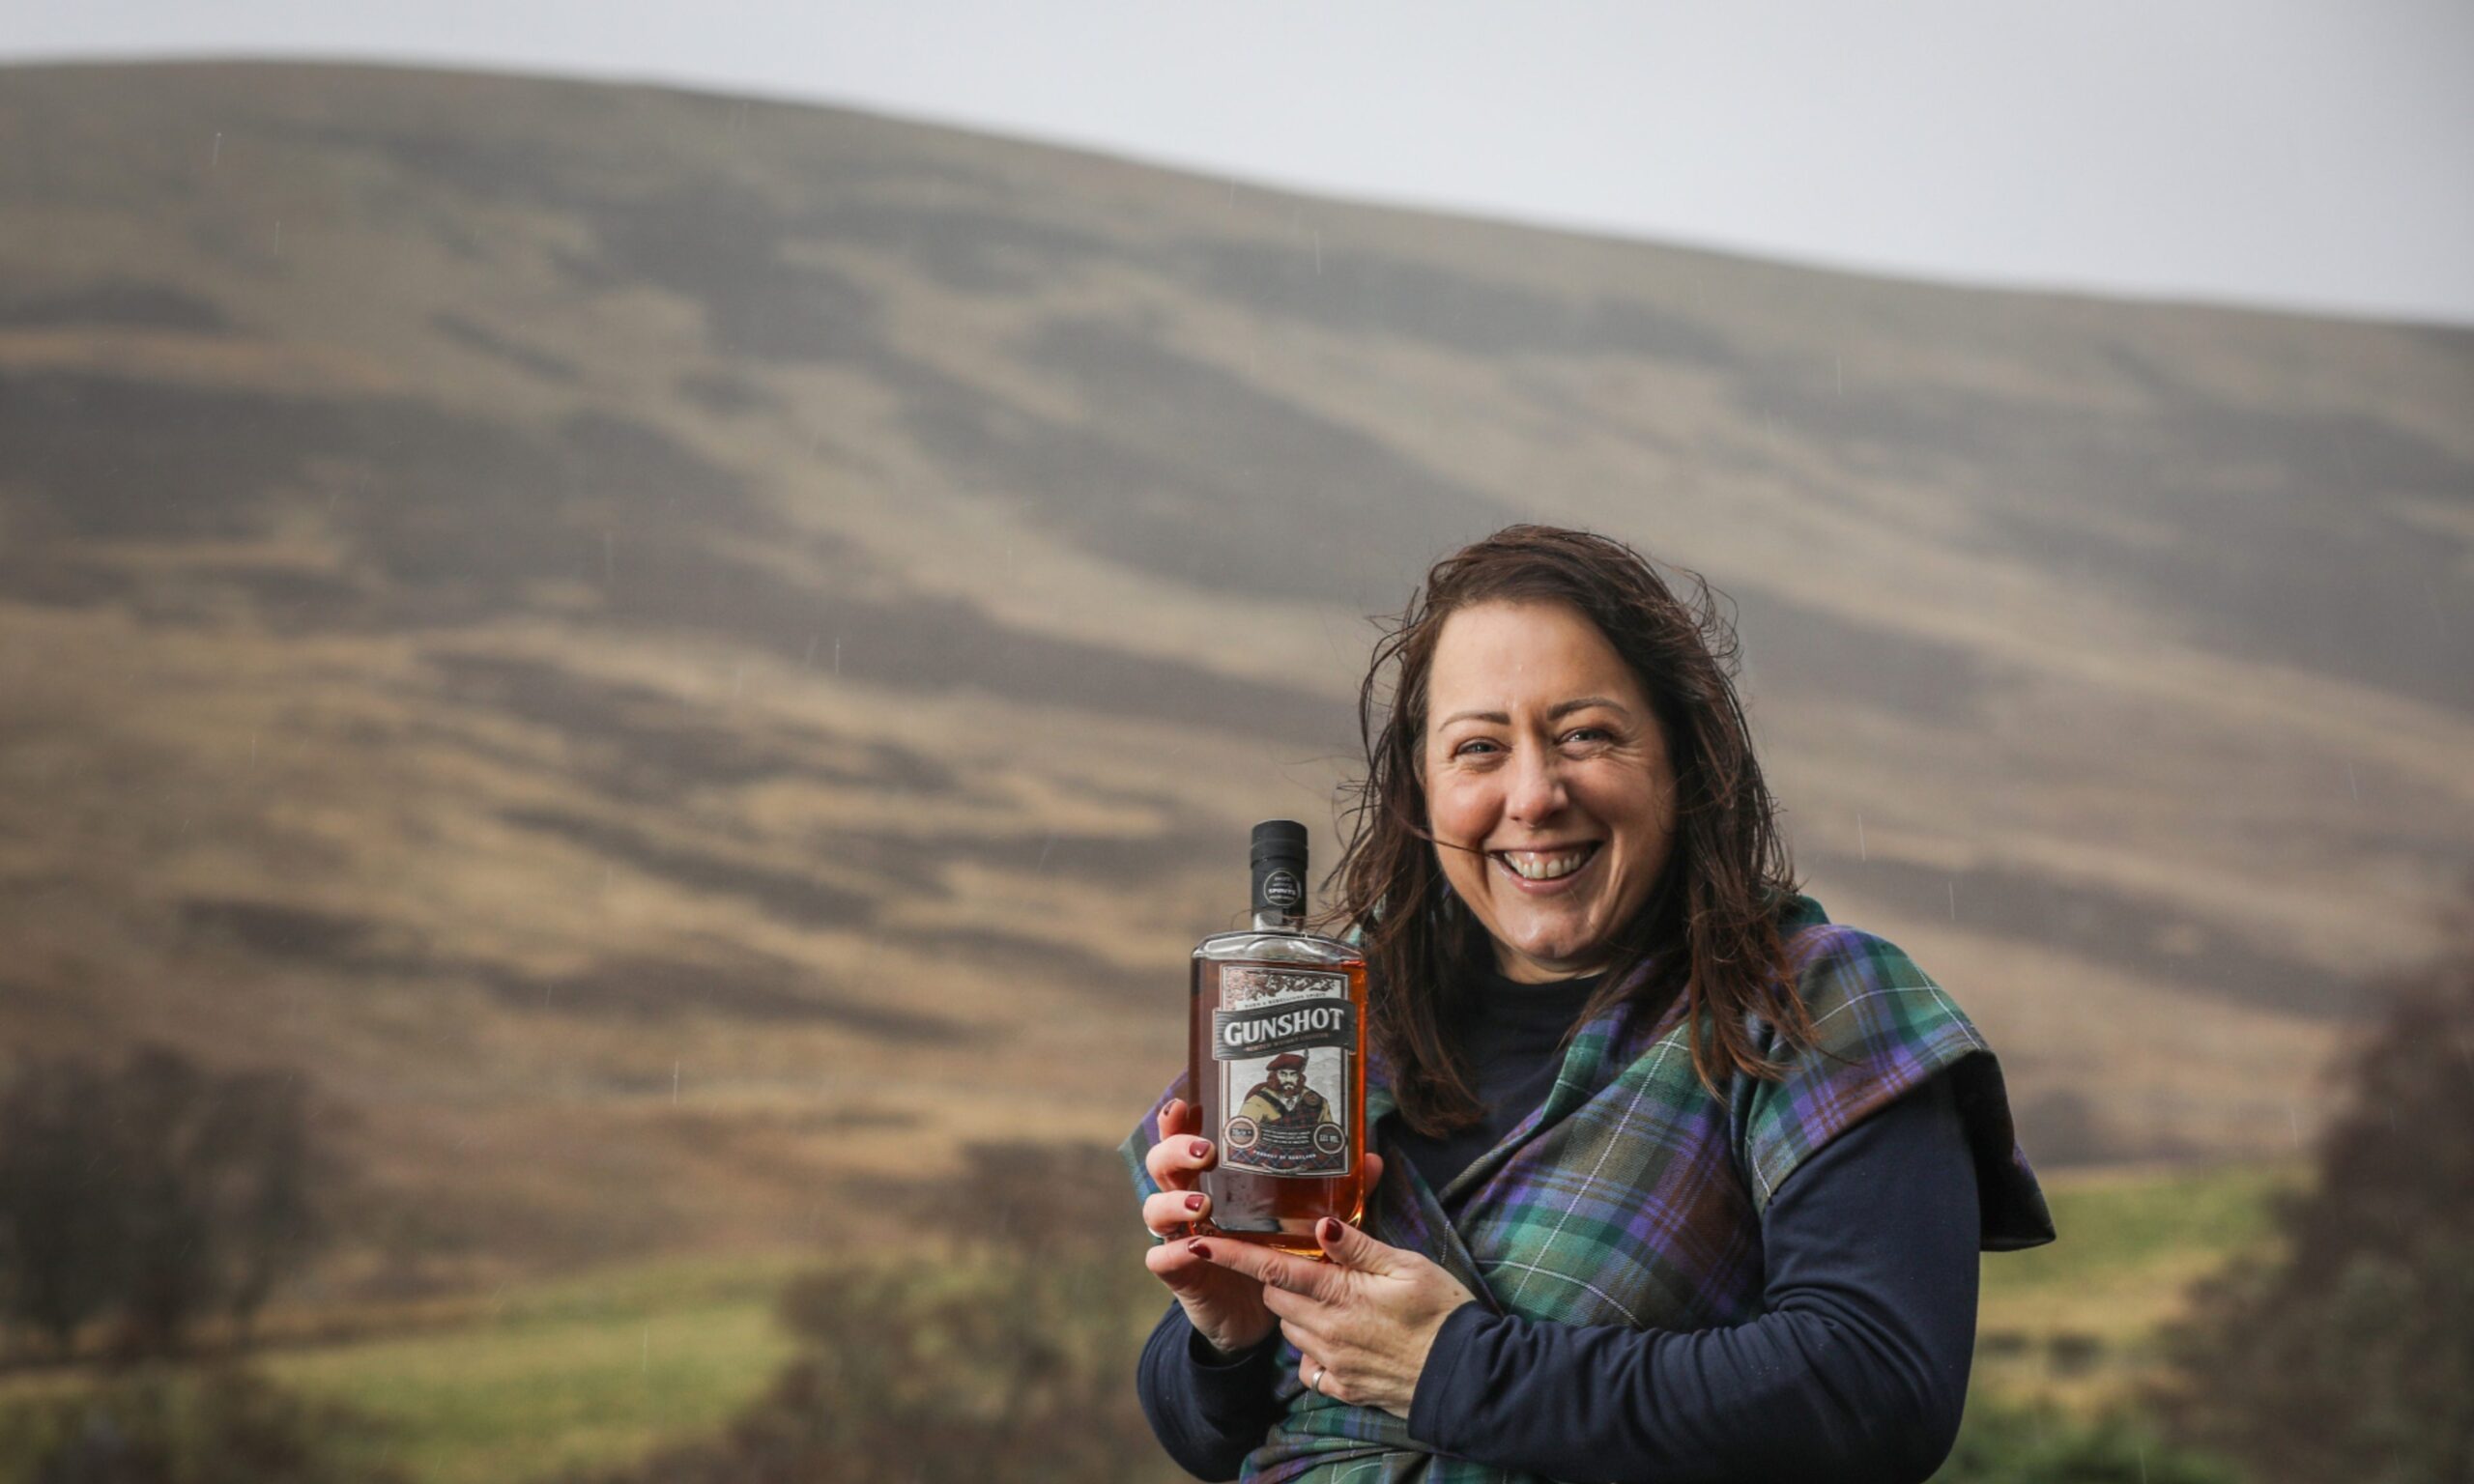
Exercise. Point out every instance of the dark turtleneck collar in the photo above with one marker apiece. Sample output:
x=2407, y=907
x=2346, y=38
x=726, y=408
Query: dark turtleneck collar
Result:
x=1492, y=988
x=1511, y=1037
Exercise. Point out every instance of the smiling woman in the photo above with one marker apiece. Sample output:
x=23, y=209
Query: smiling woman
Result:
x=1676, y=1178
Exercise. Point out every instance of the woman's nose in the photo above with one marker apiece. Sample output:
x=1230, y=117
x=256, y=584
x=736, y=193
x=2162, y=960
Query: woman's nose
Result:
x=1538, y=791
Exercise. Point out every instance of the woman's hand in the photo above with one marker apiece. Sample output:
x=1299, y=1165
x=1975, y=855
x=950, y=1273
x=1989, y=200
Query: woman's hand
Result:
x=1365, y=1320
x=1225, y=1306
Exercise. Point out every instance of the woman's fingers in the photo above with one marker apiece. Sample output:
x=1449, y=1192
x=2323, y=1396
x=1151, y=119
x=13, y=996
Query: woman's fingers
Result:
x=1225, y=1309
x=1174, y=1161
x=1170, y=1212
x=1274, y=1271
x=1172, y=1264
x=1192, y=1278
x=1313, y=1375
x=1177, y=1116
x=1349, y=1247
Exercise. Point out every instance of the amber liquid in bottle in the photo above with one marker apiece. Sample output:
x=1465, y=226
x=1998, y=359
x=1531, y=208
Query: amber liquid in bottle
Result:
x=1277, y=1061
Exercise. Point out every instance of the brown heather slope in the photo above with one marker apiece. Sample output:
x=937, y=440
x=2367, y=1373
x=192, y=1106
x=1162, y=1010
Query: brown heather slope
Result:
x=684, y=656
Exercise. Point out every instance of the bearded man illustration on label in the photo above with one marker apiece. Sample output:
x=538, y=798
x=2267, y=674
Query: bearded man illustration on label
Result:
x=1284, y=1126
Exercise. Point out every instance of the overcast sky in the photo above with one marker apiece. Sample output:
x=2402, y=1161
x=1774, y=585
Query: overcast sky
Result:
x=2306, y=153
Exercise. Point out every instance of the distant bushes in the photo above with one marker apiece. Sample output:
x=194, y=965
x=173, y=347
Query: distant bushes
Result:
x=153, y=1425
x=941, y=1374
x=2350, y=1359
x=144, y=1199
x=1003, y=1350
x=151, y=1196
x=2006, y=1442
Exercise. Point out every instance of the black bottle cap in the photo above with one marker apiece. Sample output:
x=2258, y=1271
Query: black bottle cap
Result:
x=1279, y=859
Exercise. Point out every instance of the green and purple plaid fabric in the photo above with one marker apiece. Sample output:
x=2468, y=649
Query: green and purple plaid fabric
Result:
x=1632, y=1197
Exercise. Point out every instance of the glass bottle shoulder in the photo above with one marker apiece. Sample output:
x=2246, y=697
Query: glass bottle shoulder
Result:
x=1260, y=946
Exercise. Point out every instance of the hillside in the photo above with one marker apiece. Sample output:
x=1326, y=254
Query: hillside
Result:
x=683, y=657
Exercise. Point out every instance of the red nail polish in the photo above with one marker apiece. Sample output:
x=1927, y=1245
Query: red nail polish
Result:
x=1199, y=1148
x=1194, y=1202
x=1199, y=1250
x=1331, y=1230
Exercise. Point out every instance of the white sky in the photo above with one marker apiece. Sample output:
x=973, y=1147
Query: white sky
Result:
x=2306, y=153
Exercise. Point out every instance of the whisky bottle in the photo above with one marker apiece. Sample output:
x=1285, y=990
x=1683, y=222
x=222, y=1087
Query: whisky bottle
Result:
x=1277, y=1062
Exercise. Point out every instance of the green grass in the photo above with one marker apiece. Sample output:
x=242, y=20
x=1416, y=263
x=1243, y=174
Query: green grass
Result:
x=591, y=1371
x=2076, y=1323
x=2124, y=1226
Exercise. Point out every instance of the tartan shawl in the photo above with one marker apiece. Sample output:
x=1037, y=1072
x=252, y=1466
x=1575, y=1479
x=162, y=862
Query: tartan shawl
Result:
x=1632, y=1197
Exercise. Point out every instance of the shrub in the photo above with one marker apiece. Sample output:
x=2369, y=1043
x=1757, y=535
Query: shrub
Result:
x=63, y=1218
x=2349, y=1358
x=156, y=1193
x=222, y=1425
x=2005, y=1444
x=1006, y=1352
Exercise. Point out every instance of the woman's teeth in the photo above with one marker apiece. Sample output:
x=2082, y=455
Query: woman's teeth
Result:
x=1541, y=865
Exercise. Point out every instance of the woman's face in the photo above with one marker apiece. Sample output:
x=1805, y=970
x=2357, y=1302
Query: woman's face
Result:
x=1547, y=784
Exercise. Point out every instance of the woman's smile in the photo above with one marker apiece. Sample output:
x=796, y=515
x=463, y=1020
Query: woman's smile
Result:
x=1545, y=869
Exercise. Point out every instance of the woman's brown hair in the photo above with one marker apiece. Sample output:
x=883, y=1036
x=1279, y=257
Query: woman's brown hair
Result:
x=1727, y=877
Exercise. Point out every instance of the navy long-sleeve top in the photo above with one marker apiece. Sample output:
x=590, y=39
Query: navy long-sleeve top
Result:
x=1855, y=1370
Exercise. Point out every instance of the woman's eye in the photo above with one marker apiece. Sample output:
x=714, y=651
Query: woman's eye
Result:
x=1474, y=746
x=1587, y=734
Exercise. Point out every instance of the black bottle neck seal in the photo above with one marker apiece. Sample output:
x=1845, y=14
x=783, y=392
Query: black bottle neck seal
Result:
x=1278, y=858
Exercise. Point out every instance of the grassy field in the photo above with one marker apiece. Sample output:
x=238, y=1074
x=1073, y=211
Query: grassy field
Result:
x=593, y=1370
x=2075, y=1323
x=598, y=1368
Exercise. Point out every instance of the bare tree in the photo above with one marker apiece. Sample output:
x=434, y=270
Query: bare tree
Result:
x=260, y=1144
x=157, y=1193
x=63, y=1224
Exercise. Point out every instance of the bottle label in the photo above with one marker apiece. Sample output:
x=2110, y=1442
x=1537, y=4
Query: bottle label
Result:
x=1282, y=1044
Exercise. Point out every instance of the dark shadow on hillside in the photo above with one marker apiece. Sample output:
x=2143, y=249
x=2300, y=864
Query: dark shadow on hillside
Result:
x=284, y=931
x=640, y=745
x=2218, y=518
x=1004, y=956
x=1120, y=860
x=2063, y=1127
x=725, y=980
x=727, y=395
x=790, y=897
x=1197, y=474
x=1360, y=290
x=460, y=522
x=117, y=303
x=530, y=360
x=2103, y=926
x=732, y=983
x=1817, y=659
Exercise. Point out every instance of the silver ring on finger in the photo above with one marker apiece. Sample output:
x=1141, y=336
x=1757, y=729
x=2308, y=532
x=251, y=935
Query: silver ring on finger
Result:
x=1317, y=1382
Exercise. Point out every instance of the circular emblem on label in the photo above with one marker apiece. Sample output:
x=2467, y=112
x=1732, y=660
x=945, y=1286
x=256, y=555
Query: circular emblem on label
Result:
x=1241, y=1133
x=1327, y=1139
x=1282, y=890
